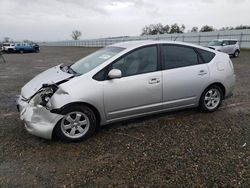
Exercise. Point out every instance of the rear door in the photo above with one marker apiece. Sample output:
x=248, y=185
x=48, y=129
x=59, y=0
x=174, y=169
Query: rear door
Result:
x=225, y=47
x=232, y=45
x=139, y=90
x=184, y=78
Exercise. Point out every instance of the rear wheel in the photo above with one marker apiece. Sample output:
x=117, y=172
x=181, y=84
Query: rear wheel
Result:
x=78, y=123
x=21, y=51
x=211, y=99
x=236, y=53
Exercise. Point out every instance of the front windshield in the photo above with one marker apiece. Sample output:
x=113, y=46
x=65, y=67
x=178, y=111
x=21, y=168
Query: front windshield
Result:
x=215, y=43
x=95, y=59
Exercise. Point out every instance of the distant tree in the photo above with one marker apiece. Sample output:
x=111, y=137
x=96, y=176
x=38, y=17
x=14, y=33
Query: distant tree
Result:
x=183, y=27
x=6, y=39
x=154, y=29
x=207, y=28
x=226, y=28
x=76, y=34
x=146, y=30
x=243, y=27
x=175, y=28
x=195, y=29
x=159, y=28
x=166, y=29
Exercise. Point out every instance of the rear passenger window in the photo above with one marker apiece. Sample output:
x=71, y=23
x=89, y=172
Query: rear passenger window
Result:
x=178, y=56
x=232, y=42
x=225, y=43
x=205, y=55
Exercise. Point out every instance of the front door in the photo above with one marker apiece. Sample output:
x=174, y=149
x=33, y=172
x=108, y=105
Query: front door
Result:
x=139, y=90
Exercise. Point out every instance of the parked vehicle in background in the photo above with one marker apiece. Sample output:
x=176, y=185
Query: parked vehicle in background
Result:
x=123, y=81
x=23, y=47
x=229, y=46
x=8, y=47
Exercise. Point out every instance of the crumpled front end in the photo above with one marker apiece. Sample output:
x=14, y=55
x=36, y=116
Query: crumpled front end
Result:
x=38, y=120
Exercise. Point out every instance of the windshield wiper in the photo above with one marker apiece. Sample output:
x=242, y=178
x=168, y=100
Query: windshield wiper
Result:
x=69, y=70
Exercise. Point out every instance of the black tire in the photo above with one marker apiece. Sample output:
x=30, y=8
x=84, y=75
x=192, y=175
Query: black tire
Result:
x=21, y=51
x=236, y=53
x=82, y=109
x=10, y=50
x=204, y=100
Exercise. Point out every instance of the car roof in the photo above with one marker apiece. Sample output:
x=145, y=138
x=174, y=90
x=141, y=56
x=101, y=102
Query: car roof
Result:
x=140, y=43
x=225, y=39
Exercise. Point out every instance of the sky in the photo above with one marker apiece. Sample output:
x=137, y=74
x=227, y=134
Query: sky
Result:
x=54, y=20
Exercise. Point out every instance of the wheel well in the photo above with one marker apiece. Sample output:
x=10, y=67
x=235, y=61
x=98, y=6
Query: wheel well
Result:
x=58, y=111
x=96, y=112
x=221, y=86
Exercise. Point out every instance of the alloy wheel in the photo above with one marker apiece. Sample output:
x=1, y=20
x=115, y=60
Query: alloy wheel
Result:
x=212, y=99
x=75, y=124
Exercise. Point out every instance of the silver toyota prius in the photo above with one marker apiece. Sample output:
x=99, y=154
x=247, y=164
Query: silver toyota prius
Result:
x=123, y=81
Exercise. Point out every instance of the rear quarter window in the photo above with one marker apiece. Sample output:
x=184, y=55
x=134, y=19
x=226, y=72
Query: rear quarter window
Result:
x=232, y=42
x=205, y=55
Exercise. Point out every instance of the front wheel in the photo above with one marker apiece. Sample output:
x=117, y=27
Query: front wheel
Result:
x=78, y=123
x=211, y=99
x=236, y=53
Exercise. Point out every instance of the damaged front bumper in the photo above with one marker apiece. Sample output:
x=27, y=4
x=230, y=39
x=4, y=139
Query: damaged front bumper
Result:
x=37, y=119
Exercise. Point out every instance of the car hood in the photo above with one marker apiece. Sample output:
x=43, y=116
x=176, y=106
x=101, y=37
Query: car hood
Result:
x=50, y=76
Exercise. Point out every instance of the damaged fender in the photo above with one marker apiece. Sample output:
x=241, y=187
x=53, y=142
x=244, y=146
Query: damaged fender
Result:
x=38, y=120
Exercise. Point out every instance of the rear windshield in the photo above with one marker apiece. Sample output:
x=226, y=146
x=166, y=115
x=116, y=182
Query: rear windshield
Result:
x=232, y=42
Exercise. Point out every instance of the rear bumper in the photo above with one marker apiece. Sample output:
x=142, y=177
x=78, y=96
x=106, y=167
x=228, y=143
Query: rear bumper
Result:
x=230, y=83
x=38, y=120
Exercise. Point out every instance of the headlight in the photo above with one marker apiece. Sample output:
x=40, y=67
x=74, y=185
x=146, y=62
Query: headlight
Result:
x=42, y=97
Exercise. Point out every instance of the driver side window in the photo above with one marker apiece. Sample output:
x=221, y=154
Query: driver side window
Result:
x=225, y=43
x=141, y=61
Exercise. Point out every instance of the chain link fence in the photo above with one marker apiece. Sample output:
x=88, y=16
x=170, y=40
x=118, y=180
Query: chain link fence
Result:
x=200, y=38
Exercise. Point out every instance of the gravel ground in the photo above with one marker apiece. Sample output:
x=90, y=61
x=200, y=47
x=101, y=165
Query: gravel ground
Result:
x=185, y=148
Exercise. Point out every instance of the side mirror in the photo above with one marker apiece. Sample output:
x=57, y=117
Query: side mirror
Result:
x=115, y=73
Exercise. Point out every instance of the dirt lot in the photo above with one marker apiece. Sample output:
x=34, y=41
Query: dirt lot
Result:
x=185, y=148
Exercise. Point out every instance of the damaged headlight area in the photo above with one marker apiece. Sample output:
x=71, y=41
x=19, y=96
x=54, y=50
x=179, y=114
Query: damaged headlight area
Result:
x=43, y=95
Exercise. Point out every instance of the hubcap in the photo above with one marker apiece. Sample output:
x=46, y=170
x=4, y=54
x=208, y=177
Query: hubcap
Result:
x=212, y=99
x=75, y=124
x=236, y=54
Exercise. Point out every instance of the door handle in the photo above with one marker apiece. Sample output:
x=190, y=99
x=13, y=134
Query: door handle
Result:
x=202, y=72
x=154, y=81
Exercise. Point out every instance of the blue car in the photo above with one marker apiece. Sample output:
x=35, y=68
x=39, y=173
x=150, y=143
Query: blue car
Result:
x=26, y=47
